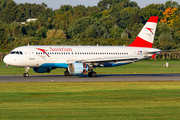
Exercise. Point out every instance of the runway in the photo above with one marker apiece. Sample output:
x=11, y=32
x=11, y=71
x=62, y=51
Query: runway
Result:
x=85, y=78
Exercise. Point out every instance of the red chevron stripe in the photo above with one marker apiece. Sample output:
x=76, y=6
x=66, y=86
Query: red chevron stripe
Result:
x=139, y=42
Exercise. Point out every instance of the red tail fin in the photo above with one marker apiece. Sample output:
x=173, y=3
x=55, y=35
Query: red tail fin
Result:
x=146, y=36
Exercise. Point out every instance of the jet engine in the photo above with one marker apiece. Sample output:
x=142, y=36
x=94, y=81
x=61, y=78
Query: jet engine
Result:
x=78, y=68
x=42, y=69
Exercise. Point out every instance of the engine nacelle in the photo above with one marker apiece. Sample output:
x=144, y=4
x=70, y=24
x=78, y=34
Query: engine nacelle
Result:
x=42, y=69
x=78, y=68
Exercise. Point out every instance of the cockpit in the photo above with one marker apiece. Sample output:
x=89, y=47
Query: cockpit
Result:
x=16, y=52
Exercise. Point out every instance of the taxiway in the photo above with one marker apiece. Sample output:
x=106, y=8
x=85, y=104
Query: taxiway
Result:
x=85, y=78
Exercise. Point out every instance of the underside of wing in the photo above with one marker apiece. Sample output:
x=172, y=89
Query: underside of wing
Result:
x=105, y=60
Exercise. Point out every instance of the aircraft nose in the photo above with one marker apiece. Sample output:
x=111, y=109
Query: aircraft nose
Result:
x=6, y=59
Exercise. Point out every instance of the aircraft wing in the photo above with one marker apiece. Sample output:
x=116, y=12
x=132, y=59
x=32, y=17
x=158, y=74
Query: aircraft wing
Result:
x=107, y=59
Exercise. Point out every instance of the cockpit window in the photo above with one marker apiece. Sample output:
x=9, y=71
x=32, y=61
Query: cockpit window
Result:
x=13, y=52
x=21, y=53
x=16, y=52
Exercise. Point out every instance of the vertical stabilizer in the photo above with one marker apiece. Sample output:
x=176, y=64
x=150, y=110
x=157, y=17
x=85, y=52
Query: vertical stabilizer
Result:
x=146, y=37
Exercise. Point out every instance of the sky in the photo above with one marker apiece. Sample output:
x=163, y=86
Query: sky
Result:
x=55, y=4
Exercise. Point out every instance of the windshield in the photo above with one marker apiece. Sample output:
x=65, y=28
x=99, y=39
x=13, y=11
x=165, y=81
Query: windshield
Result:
x=16, y=52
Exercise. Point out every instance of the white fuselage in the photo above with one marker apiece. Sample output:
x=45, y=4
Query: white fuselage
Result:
x=60, y=56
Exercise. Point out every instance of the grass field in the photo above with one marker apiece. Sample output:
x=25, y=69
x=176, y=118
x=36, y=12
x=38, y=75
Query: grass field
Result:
x=141, y=67
x=93, y=101
x=90, y=101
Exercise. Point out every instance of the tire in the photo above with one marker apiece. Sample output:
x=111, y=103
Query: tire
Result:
x=25, y=75
x=90, y=74
x=66, y=73
x=94, y=74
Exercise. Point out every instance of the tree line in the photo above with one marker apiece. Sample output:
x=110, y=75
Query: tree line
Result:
x=111, y=22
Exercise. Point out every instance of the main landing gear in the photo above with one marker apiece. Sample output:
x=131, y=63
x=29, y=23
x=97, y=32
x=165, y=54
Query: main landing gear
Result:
x=66, y=73
x=92, y=74
x=26, y=70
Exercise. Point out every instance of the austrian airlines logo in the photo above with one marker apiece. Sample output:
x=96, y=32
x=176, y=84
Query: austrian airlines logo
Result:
x=43, y=50
x=150, y=29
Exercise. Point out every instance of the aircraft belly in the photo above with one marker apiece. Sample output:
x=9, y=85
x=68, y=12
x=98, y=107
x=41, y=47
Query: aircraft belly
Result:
x=55, y=65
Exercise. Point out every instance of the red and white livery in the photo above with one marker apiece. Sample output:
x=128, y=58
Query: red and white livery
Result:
x=83, y=59
x=146, y=36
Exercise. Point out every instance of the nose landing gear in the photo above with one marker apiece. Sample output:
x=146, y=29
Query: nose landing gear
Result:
x=26, y=70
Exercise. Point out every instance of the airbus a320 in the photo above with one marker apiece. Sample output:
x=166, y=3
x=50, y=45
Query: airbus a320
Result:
x=83, y=59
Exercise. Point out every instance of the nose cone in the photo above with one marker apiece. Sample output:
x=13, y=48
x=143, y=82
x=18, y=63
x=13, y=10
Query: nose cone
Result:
x=6, y=59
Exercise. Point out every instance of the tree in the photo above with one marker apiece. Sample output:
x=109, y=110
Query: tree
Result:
x=162, y=28
x=46, y=18
x=134, y=4
x=176, y=36
x=46, y=14
x=124, y=35
x=91, y=10
x=41, y=32
x=135, y=30
x=64, y=8
x=91, y=32
x=165, y=38
x=116, y=31
x=123, y=19
x=80, y=26
x=171, y=4
x=3, y=4
x=108, y=21
x=105, y=4
x=59, y=22
x=176, y=23
x=135, y=19
x=152, y=10
x=28, y=10
x=79, y=11
x=8, y=14
x=56, y=34
x=169, y=15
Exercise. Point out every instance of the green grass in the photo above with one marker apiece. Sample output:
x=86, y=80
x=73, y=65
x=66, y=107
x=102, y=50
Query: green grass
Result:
x=90, y=101
x=141, y=67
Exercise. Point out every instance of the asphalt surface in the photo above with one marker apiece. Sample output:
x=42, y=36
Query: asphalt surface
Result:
x=85, y=78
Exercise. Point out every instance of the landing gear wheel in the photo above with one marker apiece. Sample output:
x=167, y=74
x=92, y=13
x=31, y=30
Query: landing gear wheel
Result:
x=92, y=74
x=25, y=75
x=66, y=73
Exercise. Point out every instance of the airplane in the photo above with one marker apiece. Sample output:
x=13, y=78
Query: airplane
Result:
x=82, y=59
